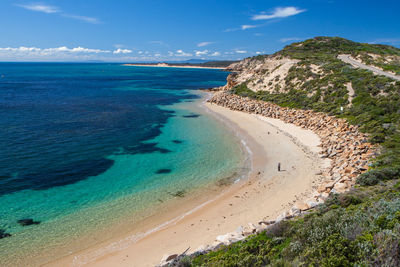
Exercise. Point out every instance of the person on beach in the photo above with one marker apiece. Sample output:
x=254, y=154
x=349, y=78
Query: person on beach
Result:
x=279, y=166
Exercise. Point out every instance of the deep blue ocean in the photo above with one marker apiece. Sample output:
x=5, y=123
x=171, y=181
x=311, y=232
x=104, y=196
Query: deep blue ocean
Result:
x=84, y=144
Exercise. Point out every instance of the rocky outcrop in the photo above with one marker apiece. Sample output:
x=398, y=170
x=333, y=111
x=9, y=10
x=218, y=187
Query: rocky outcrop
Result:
x=231, y=80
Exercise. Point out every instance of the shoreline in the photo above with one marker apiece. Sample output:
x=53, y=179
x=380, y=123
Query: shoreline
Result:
x=266, y=193
x=172, y=212
x=172, y=66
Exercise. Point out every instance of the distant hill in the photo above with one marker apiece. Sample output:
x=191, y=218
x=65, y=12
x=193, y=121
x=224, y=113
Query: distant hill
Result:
x=189, y=61
x=219, y=64
x=193, y=63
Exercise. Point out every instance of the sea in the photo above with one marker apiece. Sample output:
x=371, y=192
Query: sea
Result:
x=88, y=152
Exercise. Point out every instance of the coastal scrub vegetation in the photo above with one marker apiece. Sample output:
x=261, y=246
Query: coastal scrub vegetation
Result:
x=357, y=228
x=360, y=227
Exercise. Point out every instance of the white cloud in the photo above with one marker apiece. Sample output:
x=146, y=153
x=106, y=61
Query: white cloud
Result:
x=279, y=12
x=215, y=54
x=204, y=44
x=289, y=39
x=245, y=27
x=201, y=53
x=242, y=27
x=40, y=8
x=181, y=53
x=122, y=51
x=157, y=55
x=82, y=18
x=240, y=51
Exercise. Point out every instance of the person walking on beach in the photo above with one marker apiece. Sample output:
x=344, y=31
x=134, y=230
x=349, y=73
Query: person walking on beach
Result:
x=279, y=166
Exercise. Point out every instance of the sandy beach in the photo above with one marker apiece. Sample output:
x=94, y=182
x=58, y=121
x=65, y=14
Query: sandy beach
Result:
x=264, y=195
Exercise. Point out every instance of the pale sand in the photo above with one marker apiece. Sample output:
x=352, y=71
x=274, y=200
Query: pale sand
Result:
x=265, y=195
x=173, y=66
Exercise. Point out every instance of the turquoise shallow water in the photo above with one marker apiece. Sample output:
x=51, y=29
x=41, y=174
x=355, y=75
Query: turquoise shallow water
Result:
x=190, y=153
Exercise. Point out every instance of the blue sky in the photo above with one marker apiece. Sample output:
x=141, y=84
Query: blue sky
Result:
x=160, y=30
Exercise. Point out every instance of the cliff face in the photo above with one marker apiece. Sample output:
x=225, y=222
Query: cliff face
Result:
x=262, y=73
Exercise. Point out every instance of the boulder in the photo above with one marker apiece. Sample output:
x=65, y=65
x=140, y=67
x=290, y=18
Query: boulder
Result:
x=324, y=195
x=340, y=187
x=302, y=206
x=311, y=202
x=325, y=186
x=222, y=238
x=266, y=222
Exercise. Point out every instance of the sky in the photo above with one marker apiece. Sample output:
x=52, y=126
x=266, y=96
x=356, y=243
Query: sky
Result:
x=170, y=30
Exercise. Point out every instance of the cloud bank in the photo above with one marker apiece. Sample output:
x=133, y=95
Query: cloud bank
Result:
x=51, y=51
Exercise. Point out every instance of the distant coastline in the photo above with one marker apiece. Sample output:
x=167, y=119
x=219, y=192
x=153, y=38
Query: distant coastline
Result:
x=165, y=65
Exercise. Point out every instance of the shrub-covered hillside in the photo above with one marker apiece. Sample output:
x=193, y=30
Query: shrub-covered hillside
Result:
x=360, y=227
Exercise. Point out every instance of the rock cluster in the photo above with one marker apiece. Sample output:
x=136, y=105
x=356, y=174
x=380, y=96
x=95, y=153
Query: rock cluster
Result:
x=27, y=222
x=345, y=146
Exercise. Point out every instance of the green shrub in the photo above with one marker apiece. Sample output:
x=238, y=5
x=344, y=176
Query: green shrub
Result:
x=374, y=176
x=335, y=250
